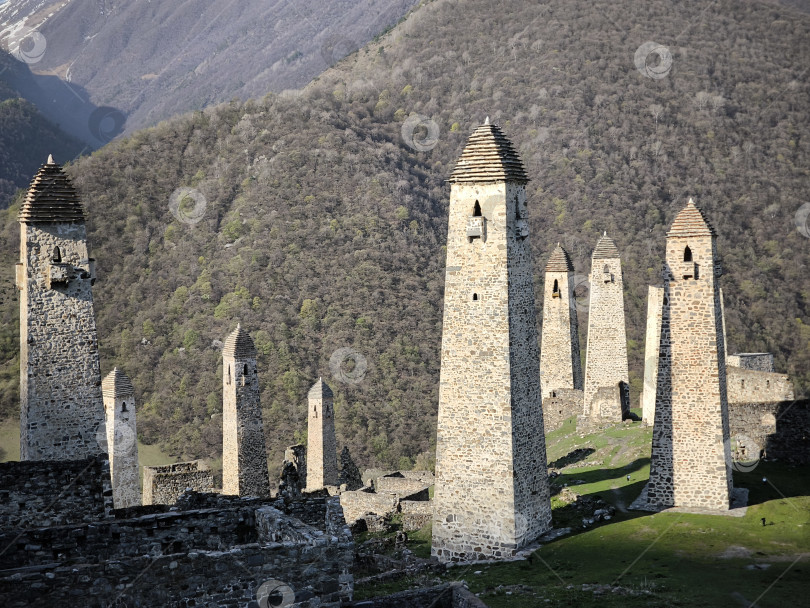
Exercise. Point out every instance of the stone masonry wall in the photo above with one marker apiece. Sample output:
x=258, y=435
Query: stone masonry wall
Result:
x=42, y=493
x=778, y=430
x=491, y=491
x=606, y=351
x=750, y=386
x=322, y=469
x=761, y=362
x=122, y=444
x=559, y=353
x=61, y=408
x=416, y=514
x=399, y=485
x=563, y=405
x=163, y=485
x=655, y=304
x=357, y=504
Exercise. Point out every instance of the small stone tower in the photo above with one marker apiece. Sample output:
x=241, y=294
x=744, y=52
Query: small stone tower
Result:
x=559, y=352
x=244, y=456
x=492, y=494
x=655, y=304
x=606, y=378
x=61, y=407
x=690, y=464
x=122, y=438
x=322, y=469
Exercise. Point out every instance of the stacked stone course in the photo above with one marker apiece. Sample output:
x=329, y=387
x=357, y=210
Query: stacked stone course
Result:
x=163, y=485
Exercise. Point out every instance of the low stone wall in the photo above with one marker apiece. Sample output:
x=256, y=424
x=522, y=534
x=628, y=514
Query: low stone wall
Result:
x=762, y=362
x=399, y=485
x=163, y=485
x=415, y=514
x=39, y=493
x=356, y=504
x=564, y=404
x=751, y=386
x=776, y=430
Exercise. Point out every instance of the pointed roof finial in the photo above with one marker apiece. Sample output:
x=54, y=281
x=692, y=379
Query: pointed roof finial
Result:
x=50, y=160
x=239, y=344
x=691, y=222
x=486, y=120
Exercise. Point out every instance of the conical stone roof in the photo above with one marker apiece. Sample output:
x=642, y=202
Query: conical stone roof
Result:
x=117, y=384
x=488, y=157
x=320, y=390
x=51, y=197
x=239, y=345
x=559, y=261
x=605, y=249
x=691, y=222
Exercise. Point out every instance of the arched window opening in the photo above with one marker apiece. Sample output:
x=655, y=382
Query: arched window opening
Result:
x=475, y=297
x=477, y=210
x=767, y=384
x=742, y=383
x=123, y=406
x=244, y=370
x=315, y=411
x=687, y=255
x=229, y=374
x=606, y=269
x=57, y=255
x=555, y=292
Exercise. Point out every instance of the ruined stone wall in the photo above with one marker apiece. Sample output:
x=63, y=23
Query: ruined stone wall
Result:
x=322, y=469
x=777, y=430
x=565, y=404
x=655, y=304
x=691, y=450
x=42, y=493
x=357, y=504
x=762, y=362
x=560, y=364
x=244, y=456
x=61, y=408
x=606, y=351
x=165, y=484
x=491, y=490
x=122, y=441
x=416, y=514
x=750, y=386
x=402, y=486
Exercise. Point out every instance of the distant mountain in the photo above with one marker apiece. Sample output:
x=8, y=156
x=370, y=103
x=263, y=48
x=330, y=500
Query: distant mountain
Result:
x=317, y=219
x=110, y=66
x=26, y=137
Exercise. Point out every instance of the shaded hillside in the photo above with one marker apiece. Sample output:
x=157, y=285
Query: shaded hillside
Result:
x=26, y=137
x=321, y=229
x=147, y=60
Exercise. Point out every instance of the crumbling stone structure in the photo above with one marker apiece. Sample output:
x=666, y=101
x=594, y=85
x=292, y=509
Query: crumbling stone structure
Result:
x=560, y=365
x=491, y=491
x=349, y=473
x=563, y=405
x=760, y=362
x=61, y=407
x=122, y=438
x=776, y=430
x=244, y=456
x=322, y=469
x=753, y=386
x=655, y=306
x=690, y=465
x=165, y=484
x=606, y=351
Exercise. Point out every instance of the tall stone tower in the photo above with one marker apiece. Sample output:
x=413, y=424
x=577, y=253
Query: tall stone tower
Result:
x=690, y=465
x=606, y=377
x=492, y=494
x=559, y=352
x=61, y=407
x=122, y=442
x=322, y=469
x=655, y=305
x=244, y=456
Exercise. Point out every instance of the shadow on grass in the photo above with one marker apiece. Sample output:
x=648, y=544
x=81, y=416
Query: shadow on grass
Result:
x=771, y=480
x=572, y=457
x=576, y=478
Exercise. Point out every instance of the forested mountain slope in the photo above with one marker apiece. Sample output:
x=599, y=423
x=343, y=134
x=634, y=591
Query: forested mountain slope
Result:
x=321, y=228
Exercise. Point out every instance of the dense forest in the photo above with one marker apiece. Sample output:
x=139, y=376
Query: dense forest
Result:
x=317, y=218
